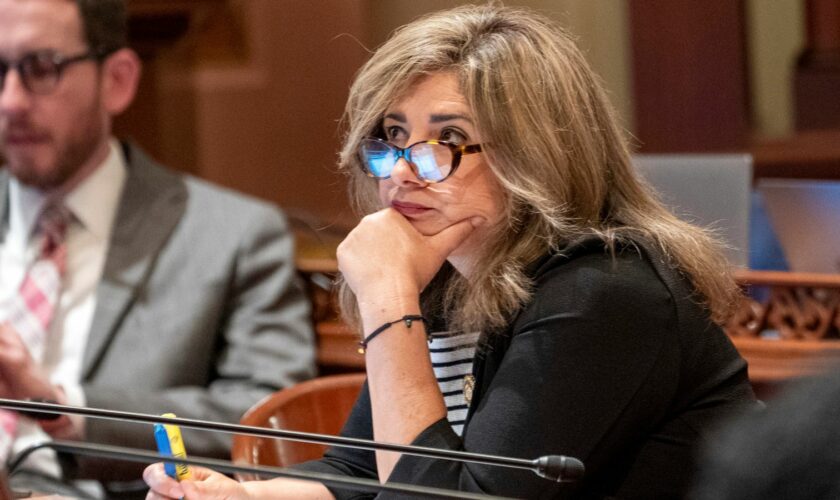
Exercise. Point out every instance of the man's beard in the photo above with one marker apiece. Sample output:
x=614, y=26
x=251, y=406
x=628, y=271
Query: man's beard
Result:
x=70, y=157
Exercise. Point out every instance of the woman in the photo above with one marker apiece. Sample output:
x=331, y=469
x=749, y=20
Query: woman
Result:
x=580, y=317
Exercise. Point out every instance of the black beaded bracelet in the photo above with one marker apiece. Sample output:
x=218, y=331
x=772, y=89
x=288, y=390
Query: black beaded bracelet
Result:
x=407, y=319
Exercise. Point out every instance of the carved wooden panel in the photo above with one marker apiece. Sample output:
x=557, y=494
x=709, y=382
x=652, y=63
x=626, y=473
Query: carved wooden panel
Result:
x=749, y=319
x=787, y=326
x=794, y=306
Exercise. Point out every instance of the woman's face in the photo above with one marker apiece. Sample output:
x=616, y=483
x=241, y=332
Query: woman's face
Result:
x=433, y=108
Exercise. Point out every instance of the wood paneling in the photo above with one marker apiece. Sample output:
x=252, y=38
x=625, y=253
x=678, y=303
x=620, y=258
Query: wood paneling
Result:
x=249, y=93
x=689, y=75
x=817, y=77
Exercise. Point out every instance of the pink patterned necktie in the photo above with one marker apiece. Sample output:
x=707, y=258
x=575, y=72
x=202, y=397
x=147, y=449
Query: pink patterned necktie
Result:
x=31, y=311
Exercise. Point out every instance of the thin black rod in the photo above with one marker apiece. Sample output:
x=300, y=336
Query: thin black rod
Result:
x=354, y=483
x=306, y=437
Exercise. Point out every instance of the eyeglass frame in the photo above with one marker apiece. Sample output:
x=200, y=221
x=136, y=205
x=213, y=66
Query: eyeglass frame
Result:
x=458, y=151
x=60, y=61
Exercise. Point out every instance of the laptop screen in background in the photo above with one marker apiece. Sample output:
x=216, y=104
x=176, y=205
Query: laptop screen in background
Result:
x=805, y=215
x=707, y=190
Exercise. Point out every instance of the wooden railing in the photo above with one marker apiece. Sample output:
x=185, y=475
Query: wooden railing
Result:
x=786, y=326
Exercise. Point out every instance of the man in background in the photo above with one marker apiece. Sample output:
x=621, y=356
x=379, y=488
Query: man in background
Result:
x=124, y=285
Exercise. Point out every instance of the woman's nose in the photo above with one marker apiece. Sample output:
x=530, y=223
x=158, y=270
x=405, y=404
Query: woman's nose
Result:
x=404, y=174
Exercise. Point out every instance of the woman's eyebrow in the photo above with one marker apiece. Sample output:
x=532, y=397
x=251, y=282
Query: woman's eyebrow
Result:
x=397, y=117
x=436, y=118
x=449, y=117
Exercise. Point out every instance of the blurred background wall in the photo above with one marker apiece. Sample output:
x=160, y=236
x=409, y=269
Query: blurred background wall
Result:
x=249, y=93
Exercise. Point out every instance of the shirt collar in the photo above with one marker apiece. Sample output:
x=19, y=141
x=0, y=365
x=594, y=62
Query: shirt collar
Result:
x=25, y=203
x=94, y=201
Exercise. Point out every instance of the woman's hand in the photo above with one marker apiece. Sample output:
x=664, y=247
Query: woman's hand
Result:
x=387, y=263
x=205, y=484
x=384, y=256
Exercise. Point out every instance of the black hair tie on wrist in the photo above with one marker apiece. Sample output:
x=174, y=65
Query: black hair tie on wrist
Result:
x=407, y=319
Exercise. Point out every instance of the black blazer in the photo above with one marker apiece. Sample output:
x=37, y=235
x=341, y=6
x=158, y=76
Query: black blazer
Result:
x=612, y=362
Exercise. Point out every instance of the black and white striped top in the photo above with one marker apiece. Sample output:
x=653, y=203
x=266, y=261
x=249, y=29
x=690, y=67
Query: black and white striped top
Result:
x=452, y=360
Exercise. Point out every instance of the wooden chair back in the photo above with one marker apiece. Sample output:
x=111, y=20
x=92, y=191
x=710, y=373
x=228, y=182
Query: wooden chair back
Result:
x=320, y=405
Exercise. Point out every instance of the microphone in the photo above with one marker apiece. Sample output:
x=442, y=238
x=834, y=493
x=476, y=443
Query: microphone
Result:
x=142, y=456
x=556, y=468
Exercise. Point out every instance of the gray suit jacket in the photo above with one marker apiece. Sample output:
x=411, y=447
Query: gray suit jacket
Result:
x=199, y=311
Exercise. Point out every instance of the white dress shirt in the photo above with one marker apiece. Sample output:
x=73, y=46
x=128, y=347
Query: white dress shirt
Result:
x=93, y=204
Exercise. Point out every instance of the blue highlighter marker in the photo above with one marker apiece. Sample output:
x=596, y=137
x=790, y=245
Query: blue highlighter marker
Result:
x=162, y=441
x=170, y=444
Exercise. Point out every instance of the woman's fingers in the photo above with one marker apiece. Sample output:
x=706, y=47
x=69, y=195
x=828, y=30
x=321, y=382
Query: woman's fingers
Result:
x=386, y=257
x=216, y=487
x=446, y=241
x=152, y=495
x=160, y=485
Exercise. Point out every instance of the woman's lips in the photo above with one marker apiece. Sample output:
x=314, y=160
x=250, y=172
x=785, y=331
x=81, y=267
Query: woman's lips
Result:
x=409, y=209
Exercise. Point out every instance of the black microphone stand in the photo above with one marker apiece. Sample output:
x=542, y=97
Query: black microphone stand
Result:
x=557, y=468
x=346, y=482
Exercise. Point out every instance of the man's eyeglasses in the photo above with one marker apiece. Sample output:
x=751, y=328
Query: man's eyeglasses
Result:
x=432, y=161
x=41, y=71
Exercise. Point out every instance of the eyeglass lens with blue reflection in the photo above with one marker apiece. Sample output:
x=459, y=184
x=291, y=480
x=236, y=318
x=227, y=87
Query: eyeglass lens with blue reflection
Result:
x=432, y=161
